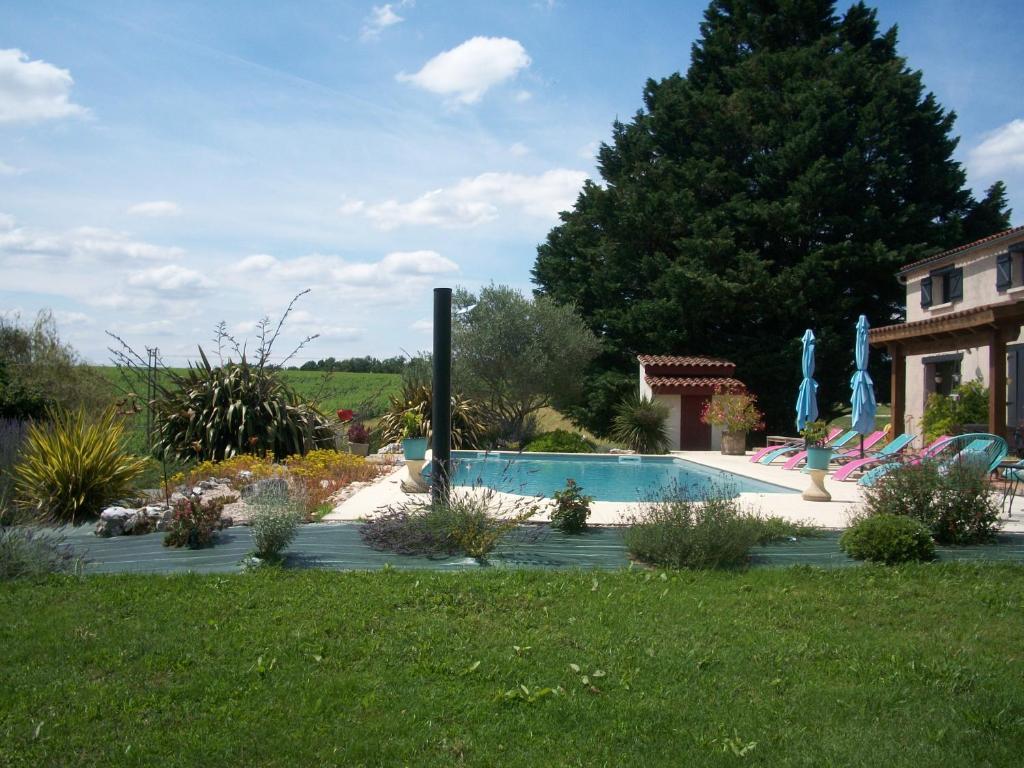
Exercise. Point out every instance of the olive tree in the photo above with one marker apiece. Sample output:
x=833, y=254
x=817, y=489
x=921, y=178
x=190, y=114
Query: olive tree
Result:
x=515, y=354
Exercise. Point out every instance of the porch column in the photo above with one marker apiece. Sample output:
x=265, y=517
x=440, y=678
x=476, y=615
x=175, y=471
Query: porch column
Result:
x=898, y=388
x=997, y=383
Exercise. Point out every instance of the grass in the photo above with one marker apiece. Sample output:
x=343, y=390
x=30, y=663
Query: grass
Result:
x=869, y=666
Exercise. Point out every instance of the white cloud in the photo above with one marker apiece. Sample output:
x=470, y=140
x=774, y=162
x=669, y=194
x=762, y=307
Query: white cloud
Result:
x=22, y=244
x=6, y=169
x=31, y=91
x=589, y=150
x=66, y=317
x=380, y=18
x=395, y=278
x=1000, y=151
x=425, y=325
x=523, y=96
x=155, y=209
x=519, y=149
x=480, y=199
x=351, y=207
x=172, y=279
x=468, y=71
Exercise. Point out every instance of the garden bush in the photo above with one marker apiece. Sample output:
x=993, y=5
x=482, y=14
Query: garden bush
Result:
x=274, y=521
x=954, y=501
x=712, y=531
x=71, y=467
x=571, y=510
x=28, y=552
x=559, y=441
x=470, y=523
x=194, y=522
x=888, y=539
x=417, y=399
x=944, y=415
x=640, y=424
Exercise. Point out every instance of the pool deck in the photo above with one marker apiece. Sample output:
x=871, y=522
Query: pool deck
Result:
x=846, y=496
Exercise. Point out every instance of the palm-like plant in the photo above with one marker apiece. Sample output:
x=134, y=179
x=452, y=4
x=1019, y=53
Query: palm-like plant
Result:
x=640, y=423
x=71, y=467
x=467, y=418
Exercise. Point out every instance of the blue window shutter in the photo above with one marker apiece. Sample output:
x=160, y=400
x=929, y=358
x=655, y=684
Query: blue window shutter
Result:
x=956, y=285
x=1004, y=271
x=926, y=292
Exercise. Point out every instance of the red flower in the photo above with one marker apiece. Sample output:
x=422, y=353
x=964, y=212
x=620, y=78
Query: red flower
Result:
x=345, y=414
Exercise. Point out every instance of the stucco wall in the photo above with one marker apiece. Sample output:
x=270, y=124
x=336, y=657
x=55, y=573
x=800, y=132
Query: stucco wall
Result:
x=973, y=366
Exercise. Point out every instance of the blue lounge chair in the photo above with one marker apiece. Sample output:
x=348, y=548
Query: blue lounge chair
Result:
x=789, y=450
x=978, y=449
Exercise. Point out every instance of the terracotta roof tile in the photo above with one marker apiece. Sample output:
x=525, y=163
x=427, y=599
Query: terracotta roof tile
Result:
x=694, y=382
x=692, y=360
x=961, y=248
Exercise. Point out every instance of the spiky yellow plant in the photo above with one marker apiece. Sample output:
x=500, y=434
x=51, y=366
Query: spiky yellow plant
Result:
x=71, y=466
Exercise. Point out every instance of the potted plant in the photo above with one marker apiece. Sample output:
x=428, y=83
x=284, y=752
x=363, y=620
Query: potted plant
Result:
x=736, y=413
x=815, y=433
x=358, y=439
x=414, y=441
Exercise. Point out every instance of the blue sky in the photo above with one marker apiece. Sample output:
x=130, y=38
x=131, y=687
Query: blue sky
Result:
x=164, y=166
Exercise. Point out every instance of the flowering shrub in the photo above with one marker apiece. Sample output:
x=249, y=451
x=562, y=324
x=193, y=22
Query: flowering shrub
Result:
x=345, y=414
x=194, y=521
x=230, y=469
x=320, y=474
x=733, y=412
x=572, y=509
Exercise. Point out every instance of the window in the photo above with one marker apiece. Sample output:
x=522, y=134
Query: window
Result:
x=1010, y=268
x=942, y=286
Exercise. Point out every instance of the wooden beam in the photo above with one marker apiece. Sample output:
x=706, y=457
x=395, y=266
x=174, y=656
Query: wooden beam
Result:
x=997, y=384
x=898, y=388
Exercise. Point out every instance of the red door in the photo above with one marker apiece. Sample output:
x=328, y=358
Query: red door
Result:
x=694, y=435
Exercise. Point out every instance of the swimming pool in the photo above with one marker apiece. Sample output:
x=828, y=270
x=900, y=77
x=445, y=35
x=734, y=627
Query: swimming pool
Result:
x=606, y=478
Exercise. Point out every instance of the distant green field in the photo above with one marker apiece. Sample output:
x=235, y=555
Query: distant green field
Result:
x=366, y=393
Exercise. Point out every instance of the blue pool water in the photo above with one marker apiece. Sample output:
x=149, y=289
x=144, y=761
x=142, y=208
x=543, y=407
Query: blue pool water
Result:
x=606, y=478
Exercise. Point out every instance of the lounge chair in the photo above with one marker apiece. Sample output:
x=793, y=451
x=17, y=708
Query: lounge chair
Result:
x=977, y=448
x=798, y=458
x=893, y=449
x=796, y=442
x=789, y=450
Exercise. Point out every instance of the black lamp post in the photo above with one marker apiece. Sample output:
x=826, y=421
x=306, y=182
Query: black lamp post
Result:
x=441, y=415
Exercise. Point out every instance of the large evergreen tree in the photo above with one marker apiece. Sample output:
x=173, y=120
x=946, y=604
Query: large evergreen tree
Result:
x=779, y=185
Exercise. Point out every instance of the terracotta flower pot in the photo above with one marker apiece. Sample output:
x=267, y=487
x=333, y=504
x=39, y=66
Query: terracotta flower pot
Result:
x=734, y=443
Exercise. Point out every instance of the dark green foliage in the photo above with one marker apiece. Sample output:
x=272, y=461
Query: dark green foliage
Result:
x=888, y=539
x=640, y=424
x=194, y=522
x=27, y=552
x=946, y=415
x=515, y=355
x=38, y=371
x=778, y=185
x=679, y=532
x=571, y=510
x=775, y=528
x=413, y=408
x=559, y=441
x=210, y=413
x=954, y=502
x=356, y=365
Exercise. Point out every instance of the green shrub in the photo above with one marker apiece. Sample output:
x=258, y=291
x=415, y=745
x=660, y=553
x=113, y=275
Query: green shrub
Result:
x=945, y=415
x=274, y=522
x=678, y=532
x=560, y=441
x=954, y=502
x=194, y=522
x=775, y=528
x=640, y=424
x=28, y=552
x=470, y=523
x=211, y=413
x=571, y=510
x=71, y=467
x=888, y=539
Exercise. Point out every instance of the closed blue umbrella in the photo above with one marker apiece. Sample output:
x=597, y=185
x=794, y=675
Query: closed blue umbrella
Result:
x=863, y=397
x=807, y=399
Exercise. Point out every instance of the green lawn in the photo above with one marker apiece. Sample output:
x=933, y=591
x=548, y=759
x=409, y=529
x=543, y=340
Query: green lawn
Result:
x=867, y=666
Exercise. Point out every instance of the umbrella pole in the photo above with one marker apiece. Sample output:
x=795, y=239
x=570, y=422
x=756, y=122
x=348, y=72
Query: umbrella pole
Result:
x=862, y=446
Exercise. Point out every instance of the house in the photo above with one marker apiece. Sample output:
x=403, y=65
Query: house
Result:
x=685, y=384
x=965, y=310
